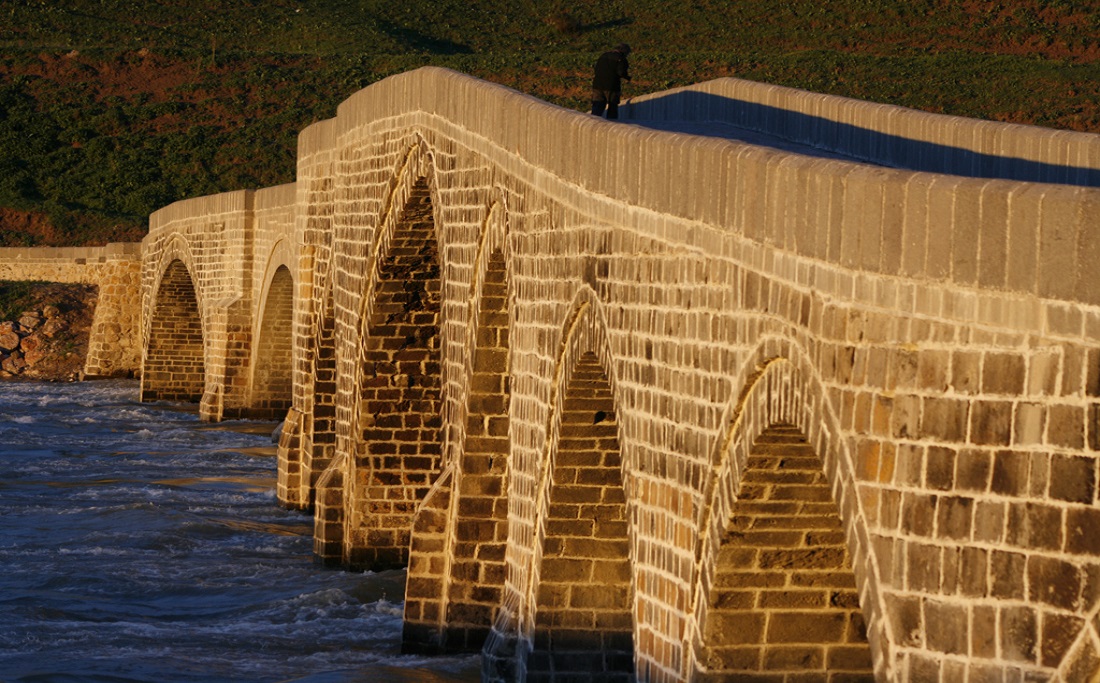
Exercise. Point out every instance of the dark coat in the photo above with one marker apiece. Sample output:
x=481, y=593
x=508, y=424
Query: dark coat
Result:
x=611, y=69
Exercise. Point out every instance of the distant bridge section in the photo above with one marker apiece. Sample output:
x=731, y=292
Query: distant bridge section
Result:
x=114, y=345
x=649, y=402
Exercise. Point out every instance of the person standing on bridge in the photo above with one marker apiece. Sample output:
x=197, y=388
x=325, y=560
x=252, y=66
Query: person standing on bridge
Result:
x=611, y=70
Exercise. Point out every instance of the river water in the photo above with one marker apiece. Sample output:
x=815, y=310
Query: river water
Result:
x=139, y=544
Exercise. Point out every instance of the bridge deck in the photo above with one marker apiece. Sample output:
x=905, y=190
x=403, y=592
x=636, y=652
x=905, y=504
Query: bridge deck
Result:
x=726, y=131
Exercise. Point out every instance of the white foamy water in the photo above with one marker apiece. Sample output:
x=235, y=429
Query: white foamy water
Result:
x=138, y=544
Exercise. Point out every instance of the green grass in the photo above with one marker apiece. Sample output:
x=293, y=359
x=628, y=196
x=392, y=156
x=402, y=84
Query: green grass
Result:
x=16, y=297
x=110, y=109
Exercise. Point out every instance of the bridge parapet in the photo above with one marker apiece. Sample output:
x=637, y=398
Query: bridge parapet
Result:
x=528, y=342
x=881, y=134
x=114, y=343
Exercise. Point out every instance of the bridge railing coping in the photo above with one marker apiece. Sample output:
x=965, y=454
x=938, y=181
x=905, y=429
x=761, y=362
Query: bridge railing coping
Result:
x=111, y=252
x=276, y=197
x=208, y=207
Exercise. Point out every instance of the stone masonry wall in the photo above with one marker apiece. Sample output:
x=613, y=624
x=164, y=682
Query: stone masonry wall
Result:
x=924, y=342
x=215, y=240
x=114, y=346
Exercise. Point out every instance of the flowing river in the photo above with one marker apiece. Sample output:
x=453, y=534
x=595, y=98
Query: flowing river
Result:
x=139, y=544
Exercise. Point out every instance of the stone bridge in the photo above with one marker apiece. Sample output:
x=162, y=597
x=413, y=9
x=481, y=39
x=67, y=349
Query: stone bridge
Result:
x=114, y=346
x=757, y=384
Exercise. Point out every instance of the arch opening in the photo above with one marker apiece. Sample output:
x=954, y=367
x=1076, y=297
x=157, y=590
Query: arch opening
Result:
x=323, y=434
x=174, y=368
x=481, y=534
x=399, y=411
x=584, y=613
x=784, y=600
x=272, y=366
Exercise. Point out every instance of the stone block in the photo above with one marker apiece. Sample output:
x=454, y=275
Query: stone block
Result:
x=1018, y=634
x=947, y=627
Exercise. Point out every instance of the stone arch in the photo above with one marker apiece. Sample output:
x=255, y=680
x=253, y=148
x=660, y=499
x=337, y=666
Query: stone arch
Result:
x=584, y=604
x=782, y=444
x=576, y=601
x=272, y=356
x=307, y=443
x=360, y=534
x=456, y=564
x=174, y=367
x=399, y=449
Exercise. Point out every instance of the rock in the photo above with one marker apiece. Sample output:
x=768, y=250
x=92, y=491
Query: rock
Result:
x=61, y=317
x=34, y=349
x=30, y=320
x=9, y=341
x=33, y=357
x=14, y=363
x=53, y=326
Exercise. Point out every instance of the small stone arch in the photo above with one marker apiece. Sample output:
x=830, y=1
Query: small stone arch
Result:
x=174, y=367
x=323, y=377
x=307, y=443
x=584, y=603
x=272, y=355
x=783, y=512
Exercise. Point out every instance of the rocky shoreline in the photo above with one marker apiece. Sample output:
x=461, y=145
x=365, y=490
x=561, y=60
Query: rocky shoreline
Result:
x=48, y=339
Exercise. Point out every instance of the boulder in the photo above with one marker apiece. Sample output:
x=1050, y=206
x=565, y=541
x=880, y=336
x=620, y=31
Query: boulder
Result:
x=52, y=326
x=30, y=320
x=14, y=363
x=9, y=341
x=34, y=348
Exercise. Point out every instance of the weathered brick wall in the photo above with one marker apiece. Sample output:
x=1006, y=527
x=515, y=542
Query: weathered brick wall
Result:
x=931, y=338
x=114, y=344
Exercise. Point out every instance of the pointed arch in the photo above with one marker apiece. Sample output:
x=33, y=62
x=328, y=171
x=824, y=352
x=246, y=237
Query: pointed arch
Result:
x=399, y=449
x=584, y=602
x=543, y=627
x=365, y=510
x=323, y=379
x=783, y=599
x=781, y=403
x=272, y=357
x=174, y=367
